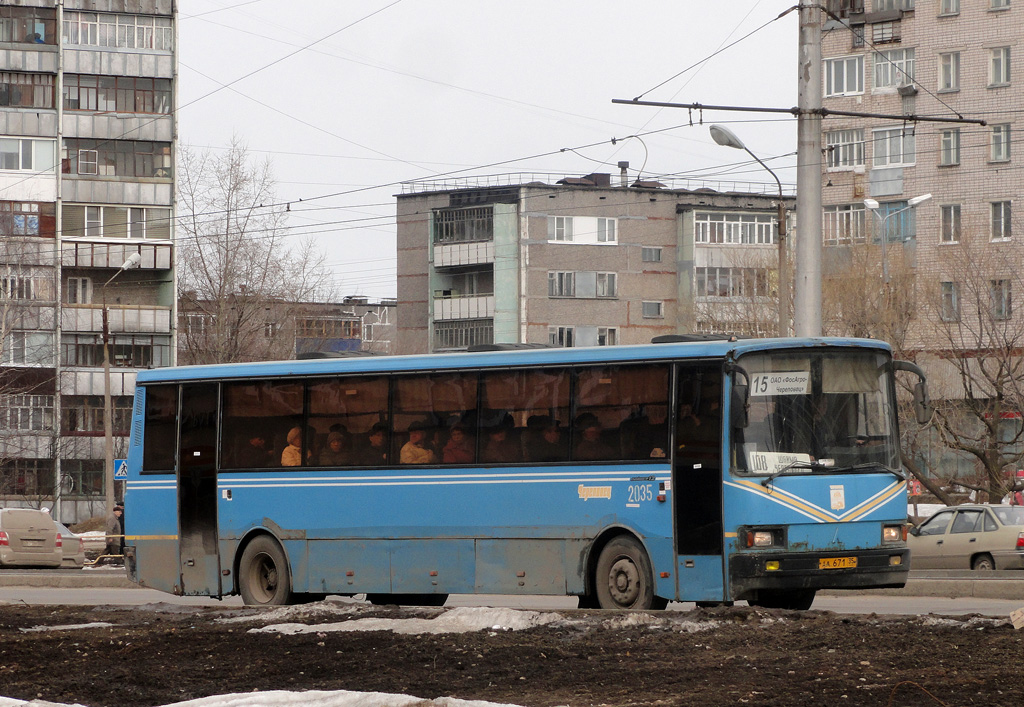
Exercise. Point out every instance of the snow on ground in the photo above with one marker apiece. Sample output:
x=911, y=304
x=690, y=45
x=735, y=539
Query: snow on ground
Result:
x=457, y=620
x=68, y=627
x=283, y=698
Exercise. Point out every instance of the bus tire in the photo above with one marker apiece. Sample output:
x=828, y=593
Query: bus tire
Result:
x=407, y=599
x=623, y=578
x=791, y=599
x=263, y=574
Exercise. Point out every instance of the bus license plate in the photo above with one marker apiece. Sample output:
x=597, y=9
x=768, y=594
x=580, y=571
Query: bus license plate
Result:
x=836, y=563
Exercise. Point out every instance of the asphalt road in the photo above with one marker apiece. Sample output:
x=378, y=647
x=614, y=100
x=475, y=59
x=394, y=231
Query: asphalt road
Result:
x=851, y=603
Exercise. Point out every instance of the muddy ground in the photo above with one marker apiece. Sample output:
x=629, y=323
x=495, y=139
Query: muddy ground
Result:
x=160, y=654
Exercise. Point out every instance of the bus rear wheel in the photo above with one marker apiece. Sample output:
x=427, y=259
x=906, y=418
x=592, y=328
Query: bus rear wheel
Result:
x=263, y=574
x=624, y=578
x=791, y=599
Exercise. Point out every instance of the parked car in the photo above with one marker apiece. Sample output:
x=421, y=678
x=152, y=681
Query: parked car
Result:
x=29, y=538
x=971, y=536
x=73, y=546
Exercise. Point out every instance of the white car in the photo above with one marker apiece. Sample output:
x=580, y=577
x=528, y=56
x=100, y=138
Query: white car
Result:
x=73, y=546
x=29, y=538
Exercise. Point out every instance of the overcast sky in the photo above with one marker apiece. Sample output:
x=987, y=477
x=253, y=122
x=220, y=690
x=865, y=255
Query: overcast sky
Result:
x=350, y=98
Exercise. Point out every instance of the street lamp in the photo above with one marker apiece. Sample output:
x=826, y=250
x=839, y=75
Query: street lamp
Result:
x=108, y=425
x=883, y=234
x=723, y=136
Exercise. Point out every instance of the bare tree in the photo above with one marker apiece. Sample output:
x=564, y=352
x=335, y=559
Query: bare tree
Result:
x=241, y=281
x=977, y=375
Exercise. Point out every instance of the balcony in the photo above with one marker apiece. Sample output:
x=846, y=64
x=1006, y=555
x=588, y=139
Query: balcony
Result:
x=469, y=253
x=135, y=319
x=450, y=307
x=90, y=254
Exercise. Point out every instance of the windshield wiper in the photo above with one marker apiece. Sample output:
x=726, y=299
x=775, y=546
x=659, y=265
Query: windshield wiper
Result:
x=872, y=466
x=812, y=465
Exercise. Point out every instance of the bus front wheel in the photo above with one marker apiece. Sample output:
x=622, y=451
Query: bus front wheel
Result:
x=624, y=578
x=263, y=573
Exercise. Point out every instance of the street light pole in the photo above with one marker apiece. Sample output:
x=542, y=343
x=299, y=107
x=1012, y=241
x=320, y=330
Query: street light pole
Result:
x=723, y=136
x=883, y=229
x=108, y=424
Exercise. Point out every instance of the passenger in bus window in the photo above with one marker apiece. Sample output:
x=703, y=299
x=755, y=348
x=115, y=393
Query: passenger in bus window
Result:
x=292, y=454
x=460, y=448
x=551, y=445
x=338, y=451
x=500, y=445
x=374, y=451
x=255, y=454
x=590, y=445
x=416, y=451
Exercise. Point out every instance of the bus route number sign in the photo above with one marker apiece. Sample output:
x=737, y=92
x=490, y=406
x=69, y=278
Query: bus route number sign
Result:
x=780, y=383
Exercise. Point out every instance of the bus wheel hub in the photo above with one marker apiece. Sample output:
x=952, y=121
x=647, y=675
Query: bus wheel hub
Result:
x=624, y=582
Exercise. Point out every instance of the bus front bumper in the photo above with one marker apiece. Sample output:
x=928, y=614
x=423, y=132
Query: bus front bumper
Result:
x=856, y=569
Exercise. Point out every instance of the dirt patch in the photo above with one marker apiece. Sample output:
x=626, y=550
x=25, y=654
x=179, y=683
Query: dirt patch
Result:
x=709, y=657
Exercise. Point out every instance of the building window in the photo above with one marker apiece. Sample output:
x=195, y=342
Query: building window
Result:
x=843, y=224
x=894, y=67
x=27, y=25
x=19, y=218
x=463, y=333
x=894, y=147
x=1000, y=296
x=25, y=154
x=126, y=350
x=464, y=225
x=1000, y=143
x=605, y=230
x=26, y=90
x=900, y=226
x=326, y=328
x=845, y=8
x=844, y=148
x=117, y=94
x=882, y=5
x=653, y=310
x=559, y=228
x=885, y=32
x=1002, y=225
x=117, y=158
x=561, y=284
x=949, y=302
x=732, y=282
x=949, y=7
x=999, y=66
x=949, y=217
x=84, y=414
x=606, y=284
x=949, y=147
x=116, y=222
x=105, y=29
x=78, y=290
x=27, y=477
x=607, y=336
x=844, y=76
x=1000, y=4
x=734, y=228
x=18, y=287
x=650, y=255
x=561, y=336
x=28, y=348
x=82, y=477
x=949, y=71
x=26, y=412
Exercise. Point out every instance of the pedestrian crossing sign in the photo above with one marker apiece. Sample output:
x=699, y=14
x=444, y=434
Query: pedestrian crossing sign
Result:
x=120, y=468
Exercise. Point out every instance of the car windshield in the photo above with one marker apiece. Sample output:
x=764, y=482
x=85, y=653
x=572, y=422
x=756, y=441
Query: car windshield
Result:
x=816, y=412
x=1009, y=515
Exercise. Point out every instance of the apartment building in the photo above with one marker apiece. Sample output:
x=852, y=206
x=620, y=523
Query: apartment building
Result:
x=87, y=133
x=578, y=261
x=939, y=195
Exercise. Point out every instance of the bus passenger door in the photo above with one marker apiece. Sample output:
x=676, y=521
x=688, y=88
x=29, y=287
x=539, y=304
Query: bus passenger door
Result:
x=197, y=490
x=697, y=483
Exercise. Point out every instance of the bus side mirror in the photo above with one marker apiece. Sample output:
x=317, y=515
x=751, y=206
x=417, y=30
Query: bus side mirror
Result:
x=922, y=405
x=738, y=405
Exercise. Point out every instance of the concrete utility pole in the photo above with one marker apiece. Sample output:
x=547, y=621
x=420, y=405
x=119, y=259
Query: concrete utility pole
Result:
x=807, y=285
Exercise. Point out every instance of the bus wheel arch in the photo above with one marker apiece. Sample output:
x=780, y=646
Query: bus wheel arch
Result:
x=262, y=571
x=620, y=574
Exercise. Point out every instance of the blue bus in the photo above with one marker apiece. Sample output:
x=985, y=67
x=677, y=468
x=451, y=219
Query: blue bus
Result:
x=710, y=471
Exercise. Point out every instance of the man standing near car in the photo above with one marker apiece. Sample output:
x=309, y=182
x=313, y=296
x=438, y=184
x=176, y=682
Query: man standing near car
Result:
x=115, y=533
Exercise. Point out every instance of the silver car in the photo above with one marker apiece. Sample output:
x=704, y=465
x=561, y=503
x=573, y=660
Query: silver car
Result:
x=73, y=547
x=29, y=538
x=977, y=537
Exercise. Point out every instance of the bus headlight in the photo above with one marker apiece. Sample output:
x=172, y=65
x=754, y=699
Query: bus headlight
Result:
x=763, y=538
x=893, y=533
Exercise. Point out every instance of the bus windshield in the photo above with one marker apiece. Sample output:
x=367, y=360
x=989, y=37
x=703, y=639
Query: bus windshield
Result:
x=817, y=411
